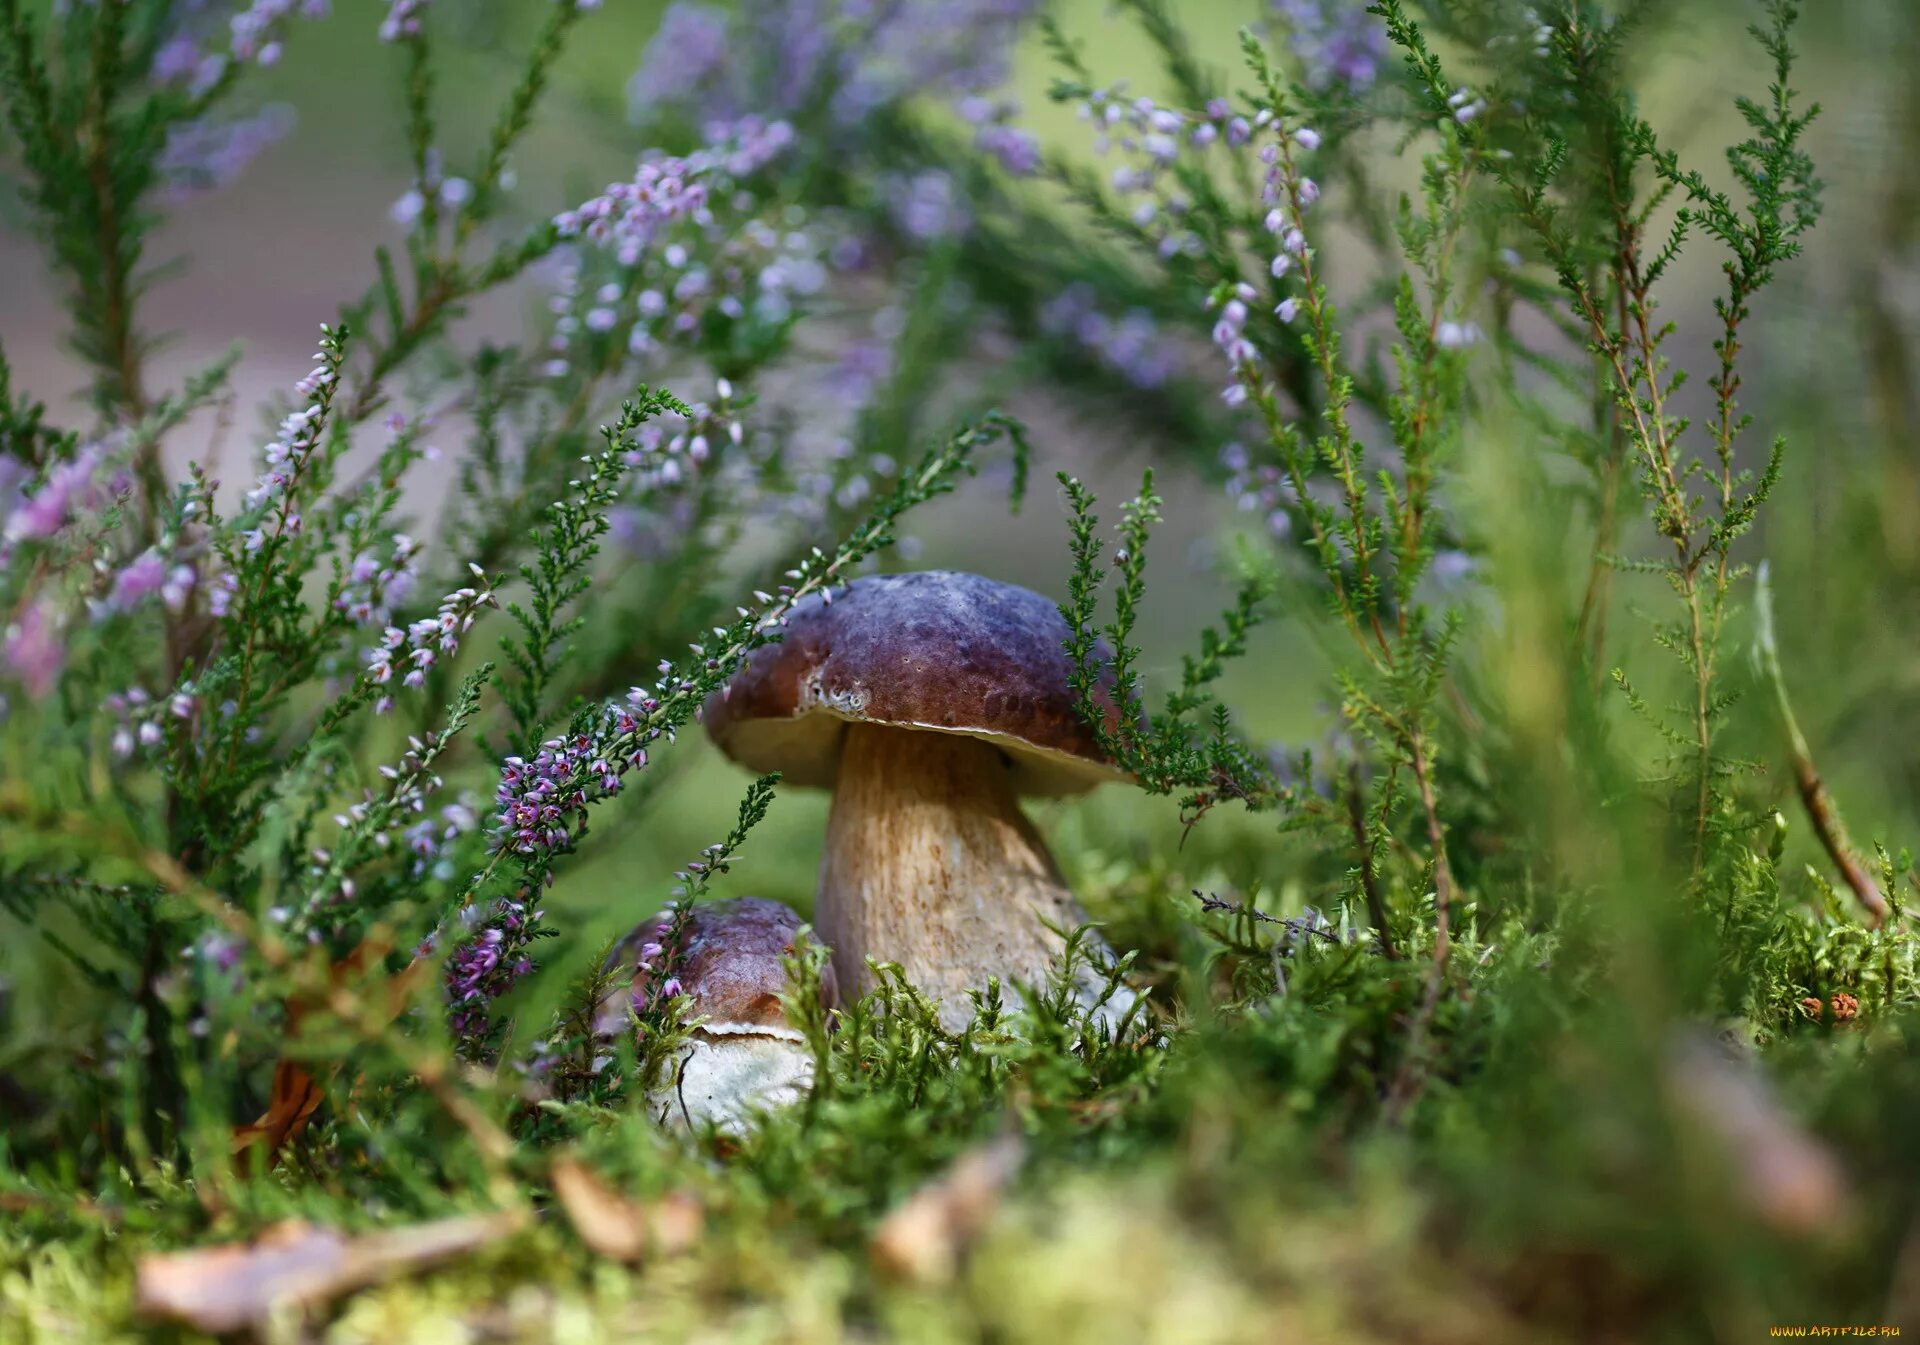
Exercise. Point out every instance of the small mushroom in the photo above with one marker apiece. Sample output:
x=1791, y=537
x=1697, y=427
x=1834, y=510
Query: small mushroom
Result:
x=928, y=703
x=744, y=1057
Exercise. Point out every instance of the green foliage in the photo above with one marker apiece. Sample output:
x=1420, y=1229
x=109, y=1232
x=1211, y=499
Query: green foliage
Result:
x=1516, y=1007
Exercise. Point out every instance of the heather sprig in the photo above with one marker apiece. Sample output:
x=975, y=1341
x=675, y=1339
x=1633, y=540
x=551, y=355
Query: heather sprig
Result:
x=106, y=103
x=442, y=278
x=1698, y=508
x=1190, y=744
x=372, y=828
x=560, y=573
x=1371, y=530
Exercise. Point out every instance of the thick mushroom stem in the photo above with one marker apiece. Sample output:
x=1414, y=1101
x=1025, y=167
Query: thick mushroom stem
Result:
x=930, y=863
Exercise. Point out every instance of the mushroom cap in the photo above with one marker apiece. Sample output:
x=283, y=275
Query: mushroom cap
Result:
x=728, y=964
x=940, y=650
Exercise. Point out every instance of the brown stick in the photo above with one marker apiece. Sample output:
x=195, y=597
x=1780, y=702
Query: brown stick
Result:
x=1813, y=790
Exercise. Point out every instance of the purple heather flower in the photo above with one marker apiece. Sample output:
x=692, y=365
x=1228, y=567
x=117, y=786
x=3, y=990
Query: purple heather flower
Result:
x=688, y=51
x=254, y=32
x=1017, y=150
x=1451, y=568
x=176, y=61
x=927, y=206
x=1453, y=335
x=1337, y=41
x=207, y=154
x=779, y=55
x=1132, y=345
x=486, y=966
x=407, y=208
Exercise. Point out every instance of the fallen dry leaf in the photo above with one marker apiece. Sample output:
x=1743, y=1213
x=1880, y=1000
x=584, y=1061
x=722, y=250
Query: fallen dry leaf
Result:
x=296, y=1093
x=218, y=1289
x=625, y=1230
x=924, y=1236
x=296, y=1096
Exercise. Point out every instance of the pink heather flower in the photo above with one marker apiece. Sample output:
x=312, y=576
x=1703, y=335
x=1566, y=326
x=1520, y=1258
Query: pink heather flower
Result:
x=403, y=19
x=1307, y=138
x=1309, y=191
x=287, y=454
x=69, y=487
x=221, y=593
x=254, y=30
x=420, y=645
x=32, y=651
x=144, y=575
x=178, y=588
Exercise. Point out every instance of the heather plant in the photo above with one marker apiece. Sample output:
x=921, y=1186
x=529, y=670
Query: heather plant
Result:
x=1538, y=991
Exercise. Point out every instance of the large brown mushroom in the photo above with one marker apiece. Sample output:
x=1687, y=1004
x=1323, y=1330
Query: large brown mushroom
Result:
x=928, y=703
x=743, y=1056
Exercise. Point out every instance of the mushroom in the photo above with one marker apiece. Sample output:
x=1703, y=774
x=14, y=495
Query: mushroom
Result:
x=928, y=703
x=743, y=1056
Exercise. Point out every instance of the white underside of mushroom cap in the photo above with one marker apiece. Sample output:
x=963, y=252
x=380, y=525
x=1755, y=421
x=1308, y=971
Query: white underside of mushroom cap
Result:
x=806, y=749
x=728, y=1072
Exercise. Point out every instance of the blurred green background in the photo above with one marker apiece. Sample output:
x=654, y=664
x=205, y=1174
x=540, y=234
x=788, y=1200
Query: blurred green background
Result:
x=1833, y=369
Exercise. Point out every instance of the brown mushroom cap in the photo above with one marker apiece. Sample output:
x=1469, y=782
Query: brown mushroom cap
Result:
x=940, y=650
x=728, y=963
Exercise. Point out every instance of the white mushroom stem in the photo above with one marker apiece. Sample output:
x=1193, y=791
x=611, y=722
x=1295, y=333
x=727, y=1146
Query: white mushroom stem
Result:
x=930, y=863
x=728, y=1072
